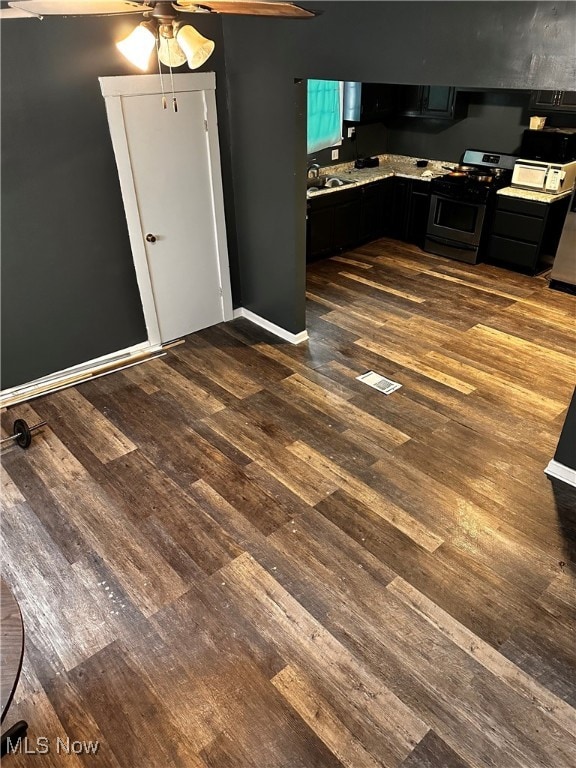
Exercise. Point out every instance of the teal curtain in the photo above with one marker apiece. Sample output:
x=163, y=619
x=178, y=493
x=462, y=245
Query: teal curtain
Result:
x=324, y=114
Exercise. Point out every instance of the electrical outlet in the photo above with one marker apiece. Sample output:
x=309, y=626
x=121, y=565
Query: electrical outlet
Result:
x=335, y=154
x=351, y=132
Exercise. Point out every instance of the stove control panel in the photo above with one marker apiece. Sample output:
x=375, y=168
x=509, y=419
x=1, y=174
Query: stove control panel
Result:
x=477, y=193
x=488, y=159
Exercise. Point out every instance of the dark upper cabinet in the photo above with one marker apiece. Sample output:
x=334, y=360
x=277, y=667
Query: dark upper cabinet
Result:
x=368, y=102
x=375, y=102
x=410, y=100
x=553, y=101
x=567, y=100
x=438, y=100
x=435, y=101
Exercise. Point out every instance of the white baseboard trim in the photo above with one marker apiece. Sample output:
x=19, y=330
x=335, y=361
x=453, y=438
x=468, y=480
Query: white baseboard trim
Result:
x=293, y=338
x=78, y=373
x=561, y=472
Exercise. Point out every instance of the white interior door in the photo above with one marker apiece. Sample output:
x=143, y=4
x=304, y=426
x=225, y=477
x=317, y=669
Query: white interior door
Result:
x=170, y=176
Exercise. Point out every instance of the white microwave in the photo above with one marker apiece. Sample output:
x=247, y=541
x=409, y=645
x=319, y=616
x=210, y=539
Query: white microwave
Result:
x=551, y=178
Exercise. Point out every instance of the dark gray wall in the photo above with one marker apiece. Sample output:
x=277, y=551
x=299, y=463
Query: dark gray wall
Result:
x=370, y=139
x=467, y=44
x=495, y=121
x=69, y=290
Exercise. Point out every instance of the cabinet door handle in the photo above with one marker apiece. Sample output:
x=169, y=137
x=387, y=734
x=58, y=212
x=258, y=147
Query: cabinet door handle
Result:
x=150, y=238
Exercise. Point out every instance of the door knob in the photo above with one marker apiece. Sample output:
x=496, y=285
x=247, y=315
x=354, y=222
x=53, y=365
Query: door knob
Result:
x=150, y=238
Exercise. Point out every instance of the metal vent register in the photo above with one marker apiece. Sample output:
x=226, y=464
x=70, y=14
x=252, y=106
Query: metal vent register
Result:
x=381, y=383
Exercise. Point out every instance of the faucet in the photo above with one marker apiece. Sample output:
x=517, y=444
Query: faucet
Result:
x=312, y=171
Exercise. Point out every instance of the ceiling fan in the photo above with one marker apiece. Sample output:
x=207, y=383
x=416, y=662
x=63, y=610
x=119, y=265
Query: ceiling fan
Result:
x=164, y=26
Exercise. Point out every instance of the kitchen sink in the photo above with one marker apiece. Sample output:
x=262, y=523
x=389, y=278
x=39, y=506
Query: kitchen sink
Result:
x=327, y=182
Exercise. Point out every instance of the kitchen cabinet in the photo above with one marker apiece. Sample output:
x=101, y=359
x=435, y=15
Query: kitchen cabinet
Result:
x=376, y=213
x=319, y=230
x=333, y=222
x=348, y=217
x=410, y=206
x=393, y=207
x=368, y=102
x=525, y=233
x=419, y=204
x=432, y=101
x=553, y=101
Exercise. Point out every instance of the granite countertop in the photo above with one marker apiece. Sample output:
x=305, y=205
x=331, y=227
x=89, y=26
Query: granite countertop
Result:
x=390, y=165
x=530, y=194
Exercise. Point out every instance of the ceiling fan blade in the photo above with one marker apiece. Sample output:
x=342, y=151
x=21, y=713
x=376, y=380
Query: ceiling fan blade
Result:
x=78, y=7
x=15, y=13
x=246, y=8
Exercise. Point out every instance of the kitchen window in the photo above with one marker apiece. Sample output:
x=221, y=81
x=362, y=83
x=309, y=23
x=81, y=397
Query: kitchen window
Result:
x=325, y=103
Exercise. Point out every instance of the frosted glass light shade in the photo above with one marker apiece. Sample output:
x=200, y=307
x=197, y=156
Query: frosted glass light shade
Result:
x=138, y=46
x=170, y=53
x=197, y=48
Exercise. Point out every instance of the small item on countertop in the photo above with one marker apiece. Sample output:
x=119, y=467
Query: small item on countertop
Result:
x=421, y=163
x=427, y=175
x=537, y=123
x=367, y=162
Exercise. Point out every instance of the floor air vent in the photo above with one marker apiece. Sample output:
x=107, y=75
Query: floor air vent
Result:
x=381, y=383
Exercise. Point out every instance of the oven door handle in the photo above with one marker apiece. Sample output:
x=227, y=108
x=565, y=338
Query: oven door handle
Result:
x=443, y=241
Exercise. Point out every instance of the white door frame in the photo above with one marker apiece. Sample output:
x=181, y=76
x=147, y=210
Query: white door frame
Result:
x=114, y=89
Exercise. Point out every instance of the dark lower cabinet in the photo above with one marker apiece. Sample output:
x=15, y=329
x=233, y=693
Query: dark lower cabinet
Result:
x=371, y=211
x=409, y=210
x=393, y=207
x=347, y=223
x=320, y=235
x=419, y=203
x=333, y=222
x=399, y=209
x=378, y=210
x=525, y=233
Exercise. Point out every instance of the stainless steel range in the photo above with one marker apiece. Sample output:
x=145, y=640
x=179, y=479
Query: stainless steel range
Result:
x=459, y=203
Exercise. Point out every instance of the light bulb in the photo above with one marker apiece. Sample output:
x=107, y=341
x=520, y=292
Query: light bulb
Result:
x=197, y=48
x=138, y=46
x=170, y=53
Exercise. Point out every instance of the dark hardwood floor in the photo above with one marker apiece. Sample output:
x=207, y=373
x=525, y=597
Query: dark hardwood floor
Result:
x=239, y=556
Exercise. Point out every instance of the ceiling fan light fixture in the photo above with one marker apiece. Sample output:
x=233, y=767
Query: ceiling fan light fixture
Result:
x=195, y=46
x=138, y=46
x=170, y=53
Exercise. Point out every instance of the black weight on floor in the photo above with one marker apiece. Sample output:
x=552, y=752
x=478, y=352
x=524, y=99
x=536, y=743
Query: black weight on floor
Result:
x=22, y=432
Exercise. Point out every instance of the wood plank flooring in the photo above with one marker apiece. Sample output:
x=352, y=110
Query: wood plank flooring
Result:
x=239, y=556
